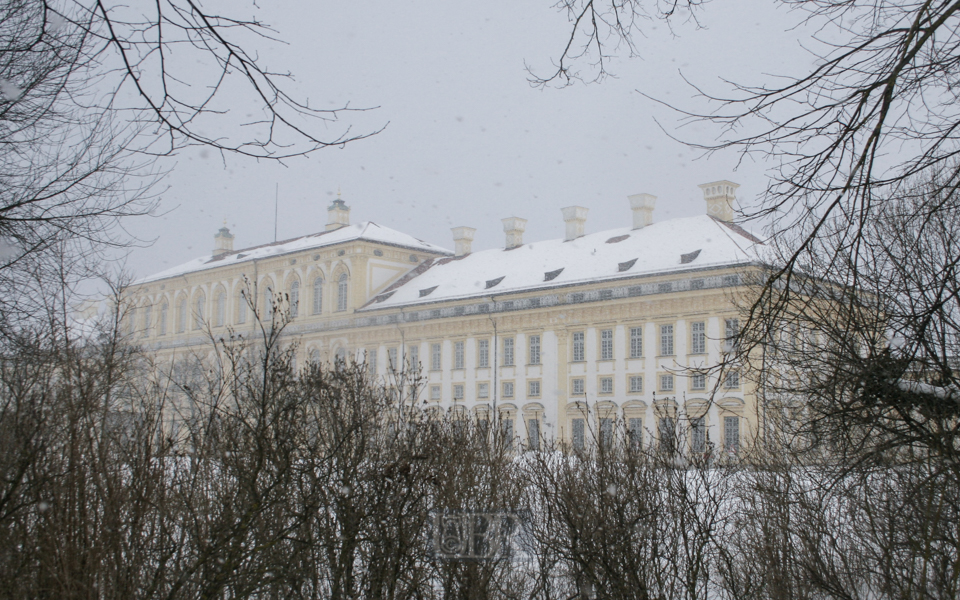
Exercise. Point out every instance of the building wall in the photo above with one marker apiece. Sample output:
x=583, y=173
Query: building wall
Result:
x=558, y=315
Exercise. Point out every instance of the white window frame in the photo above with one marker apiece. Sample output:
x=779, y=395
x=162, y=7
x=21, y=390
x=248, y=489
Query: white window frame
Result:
x=534, y=354
x=606, y=344
x=508, y=356
x=636, y=342
x=318, y=295
x=483, y=354
x=606, y=385
x=666, y=340
x=666, y=382
x=579, y=353
x=698, y=337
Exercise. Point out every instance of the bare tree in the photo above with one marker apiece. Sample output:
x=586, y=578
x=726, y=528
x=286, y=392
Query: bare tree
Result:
x=91, y=94
x=875, y=112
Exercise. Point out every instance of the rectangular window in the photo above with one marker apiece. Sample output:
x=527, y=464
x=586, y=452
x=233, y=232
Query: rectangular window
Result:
x=533, y=434
x=392, y=363
x=372, y=361
x=606, y=433
x=533, y=389
x=666, y=434
x=483, y=353
x=483, y=390
x=577, y=431
x=636, y=342
x=435, y=393
x=732, y=380
x=148, y=320
x=413, y=355
x=731, y=434
x=636, y=384
x=666, y=383
x=578, y=355
x=458, y=355
x=731, y=330
x=606, y=344
x=698, y=340
x=458, y=392
x=698, y=436
x=435, y=363
x=636, y=432
x=666, y=340
x=699, y=381
x=606, y=385
x=508, y=389
x=534, y=355
x=508, y=352
x=578, y=387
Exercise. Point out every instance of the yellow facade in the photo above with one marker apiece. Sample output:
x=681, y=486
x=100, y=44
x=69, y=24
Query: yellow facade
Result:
x=571, y=360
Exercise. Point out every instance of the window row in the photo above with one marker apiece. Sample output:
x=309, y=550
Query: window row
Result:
x=665, y=341
x=195, y=314
x=665, y=383
x=507, y=390
x=668, y=438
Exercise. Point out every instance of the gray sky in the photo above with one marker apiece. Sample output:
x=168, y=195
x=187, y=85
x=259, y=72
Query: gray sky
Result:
x=468, y=141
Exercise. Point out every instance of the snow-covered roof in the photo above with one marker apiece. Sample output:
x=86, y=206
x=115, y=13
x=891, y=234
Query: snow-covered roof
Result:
x=368, y=231
x=676, y=245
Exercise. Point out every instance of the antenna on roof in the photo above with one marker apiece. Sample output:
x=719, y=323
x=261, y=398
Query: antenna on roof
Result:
x=276, y=203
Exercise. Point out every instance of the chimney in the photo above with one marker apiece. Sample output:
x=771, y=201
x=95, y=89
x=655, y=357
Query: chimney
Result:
x=463, y=238
x=720, y=196
x=338, y=214
x=513, y=227
x=575, y=217
x=642, y=206
x=222, y=242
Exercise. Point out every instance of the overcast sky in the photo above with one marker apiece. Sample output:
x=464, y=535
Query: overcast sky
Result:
x=467, y=140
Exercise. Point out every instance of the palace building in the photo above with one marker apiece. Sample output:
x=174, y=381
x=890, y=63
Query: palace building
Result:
x=565, y=339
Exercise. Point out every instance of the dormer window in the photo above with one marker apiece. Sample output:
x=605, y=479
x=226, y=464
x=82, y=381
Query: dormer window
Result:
x=551, y=275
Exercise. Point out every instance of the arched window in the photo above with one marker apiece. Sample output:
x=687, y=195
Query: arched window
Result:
x=163, y=318
x=314, y=356
x=268, y=303
x=147, y=319
x=341, y=354
x=221, y=308
x=241, y=308
x=132, y=320
x=294, y=299
x=342, y=293
x=198, y=312
x=182, y=316
x=318, y=295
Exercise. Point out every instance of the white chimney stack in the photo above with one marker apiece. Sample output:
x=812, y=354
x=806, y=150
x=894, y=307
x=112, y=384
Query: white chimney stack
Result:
x=576, y=218
x=513, y=227
x=463, y=239
x=222, y=242
x=720, y=196
x=642, y=206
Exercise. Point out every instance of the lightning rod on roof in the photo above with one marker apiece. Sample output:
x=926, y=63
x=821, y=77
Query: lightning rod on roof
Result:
x=276, y=203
